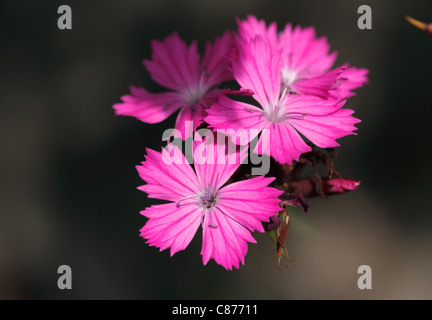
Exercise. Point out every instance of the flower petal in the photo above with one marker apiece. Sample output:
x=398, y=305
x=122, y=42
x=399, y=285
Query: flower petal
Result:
x=224, y=240
x=148, y=107
x=250, y=202
x=170, y=226
x=167, y=181
x=251, y=27
x=192, y=114
x=285, y=144
x=303, y=51
x=320, y=85
x=257, y=67
x=245, y=120
x=215, y=163
x=300, y=105
x=324, y=130
x=354, y=78
x=174, y=65
x=215, y=62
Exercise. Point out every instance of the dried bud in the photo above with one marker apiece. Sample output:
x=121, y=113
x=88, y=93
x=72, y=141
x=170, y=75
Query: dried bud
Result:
x=342, y=185
x=273, y=224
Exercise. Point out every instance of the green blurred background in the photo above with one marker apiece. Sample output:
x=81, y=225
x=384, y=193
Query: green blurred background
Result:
x=68, y=182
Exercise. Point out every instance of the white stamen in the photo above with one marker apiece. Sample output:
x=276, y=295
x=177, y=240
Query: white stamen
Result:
x=180, y=203
x=288, y=77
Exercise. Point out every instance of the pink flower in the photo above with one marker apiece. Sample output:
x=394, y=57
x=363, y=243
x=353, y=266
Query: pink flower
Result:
x=257, y=67
x=192, y=82
x=306, y=60
x=227, y=213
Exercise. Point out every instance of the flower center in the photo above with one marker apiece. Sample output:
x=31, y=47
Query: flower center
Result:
x=208, y=200
x=277, y=112
x=193, y=94
x=280, y=112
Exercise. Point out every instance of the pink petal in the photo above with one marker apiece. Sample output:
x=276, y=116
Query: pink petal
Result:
x=224, y=240
x=213, y=163
x=324, y=130
x=303, y=51
x=192, y=114
x=251, y=27
x=354, y=78
x=257, y=67
x=250, y=202
x=310, y=105
x=174, y=65
x=243, y=118
x=215, y=62
x=148, y=107
x=164, y=180
x=171, y=226
x=320, y=85
x=285, y=145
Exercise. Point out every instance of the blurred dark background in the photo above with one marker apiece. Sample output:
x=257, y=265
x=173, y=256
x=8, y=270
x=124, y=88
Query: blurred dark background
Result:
x=68, y=182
